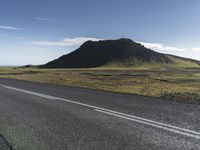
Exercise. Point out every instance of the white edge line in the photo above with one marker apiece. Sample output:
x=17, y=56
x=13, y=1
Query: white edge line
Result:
x=122, y=115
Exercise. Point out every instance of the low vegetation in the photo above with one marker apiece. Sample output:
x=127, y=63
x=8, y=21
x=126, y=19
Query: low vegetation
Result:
x=172, y=83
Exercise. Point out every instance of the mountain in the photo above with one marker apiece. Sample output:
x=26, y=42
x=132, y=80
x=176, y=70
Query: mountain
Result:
x=118, y=53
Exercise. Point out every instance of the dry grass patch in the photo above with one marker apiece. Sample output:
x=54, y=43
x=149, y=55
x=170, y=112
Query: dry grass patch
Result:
x=172, y=84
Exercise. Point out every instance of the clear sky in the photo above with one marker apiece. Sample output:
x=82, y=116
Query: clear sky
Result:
x=36, y=31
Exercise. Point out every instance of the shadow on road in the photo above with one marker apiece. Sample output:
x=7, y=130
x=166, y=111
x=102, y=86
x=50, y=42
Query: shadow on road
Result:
x=4, y=145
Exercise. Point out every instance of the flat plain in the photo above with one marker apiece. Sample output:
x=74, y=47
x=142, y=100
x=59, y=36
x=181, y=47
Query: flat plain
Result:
x=175, y=84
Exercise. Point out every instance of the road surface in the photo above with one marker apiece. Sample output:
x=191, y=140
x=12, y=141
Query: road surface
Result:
x=36, y=116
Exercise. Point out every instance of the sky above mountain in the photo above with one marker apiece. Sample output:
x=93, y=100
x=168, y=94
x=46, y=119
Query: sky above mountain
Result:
x=37, y=31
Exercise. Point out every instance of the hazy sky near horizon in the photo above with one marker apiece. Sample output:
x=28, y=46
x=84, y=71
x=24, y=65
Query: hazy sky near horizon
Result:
x=37, y=31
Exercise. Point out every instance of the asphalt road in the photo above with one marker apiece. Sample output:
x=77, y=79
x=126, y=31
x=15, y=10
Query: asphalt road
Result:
x=36, y=116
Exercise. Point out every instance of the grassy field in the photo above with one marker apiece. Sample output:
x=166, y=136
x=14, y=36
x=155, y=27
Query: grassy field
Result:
x=175, y=84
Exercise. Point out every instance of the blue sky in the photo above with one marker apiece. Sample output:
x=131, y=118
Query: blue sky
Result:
x=36, y=31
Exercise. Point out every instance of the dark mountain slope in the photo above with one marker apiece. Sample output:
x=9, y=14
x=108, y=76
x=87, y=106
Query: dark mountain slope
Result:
x=97, y=54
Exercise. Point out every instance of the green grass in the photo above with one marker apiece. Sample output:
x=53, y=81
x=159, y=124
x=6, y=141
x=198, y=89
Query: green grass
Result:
x=181, y=63
x=176, y=84
x=136, y=64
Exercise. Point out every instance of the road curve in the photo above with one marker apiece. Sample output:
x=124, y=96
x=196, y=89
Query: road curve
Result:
x=36, y=116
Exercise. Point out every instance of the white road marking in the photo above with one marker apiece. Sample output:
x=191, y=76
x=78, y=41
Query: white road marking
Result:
x=152, y=124
x=29, y=92
x=141, y=120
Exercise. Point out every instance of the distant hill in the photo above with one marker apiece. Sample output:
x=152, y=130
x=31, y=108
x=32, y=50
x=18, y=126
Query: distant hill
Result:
x=116, y=53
